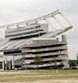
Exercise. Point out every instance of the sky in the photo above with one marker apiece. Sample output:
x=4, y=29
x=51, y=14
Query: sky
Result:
x=12, y=11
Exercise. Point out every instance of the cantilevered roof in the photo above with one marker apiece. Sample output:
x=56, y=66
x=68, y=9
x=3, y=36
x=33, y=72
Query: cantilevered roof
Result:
x=56, y=20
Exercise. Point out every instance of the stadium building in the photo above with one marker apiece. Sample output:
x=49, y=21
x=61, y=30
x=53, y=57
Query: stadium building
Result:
x=33, y=46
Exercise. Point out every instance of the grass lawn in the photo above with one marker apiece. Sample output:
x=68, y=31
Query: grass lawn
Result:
x=38, y=75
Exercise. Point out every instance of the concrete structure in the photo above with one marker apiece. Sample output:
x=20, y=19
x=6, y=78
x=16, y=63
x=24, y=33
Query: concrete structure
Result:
x=45, y=53
x=35, y=45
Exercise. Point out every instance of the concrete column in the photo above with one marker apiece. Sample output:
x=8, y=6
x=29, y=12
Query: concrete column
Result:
x=57, y=39
x=64, y=38
x=3, y=64
x=13, y=67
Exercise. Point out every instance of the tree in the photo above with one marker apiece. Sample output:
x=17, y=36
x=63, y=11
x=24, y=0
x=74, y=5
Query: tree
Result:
x=73, y=63
x=77, y=57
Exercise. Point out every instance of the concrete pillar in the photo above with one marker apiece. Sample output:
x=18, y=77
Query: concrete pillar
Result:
x=3, y=65
x=57, y=39
x=64, y=38
x=13, y=64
